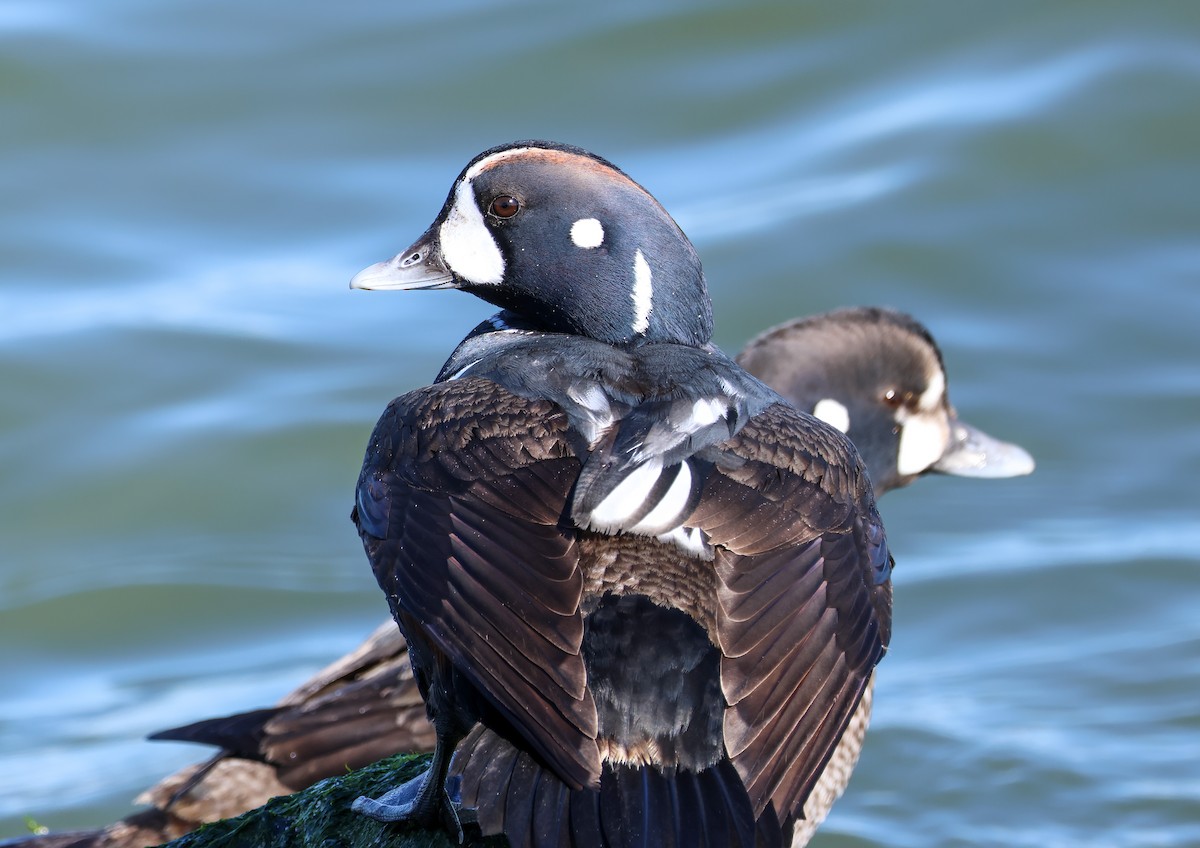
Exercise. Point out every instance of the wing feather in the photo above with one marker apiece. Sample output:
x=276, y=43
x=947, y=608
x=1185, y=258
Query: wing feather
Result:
x=804, y=606
x=460, y=503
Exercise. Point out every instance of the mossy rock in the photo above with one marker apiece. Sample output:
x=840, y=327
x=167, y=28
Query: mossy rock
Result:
x=320, y=817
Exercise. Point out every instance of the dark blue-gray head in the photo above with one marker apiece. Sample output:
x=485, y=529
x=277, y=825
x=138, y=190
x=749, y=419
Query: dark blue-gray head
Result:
x=564, y=239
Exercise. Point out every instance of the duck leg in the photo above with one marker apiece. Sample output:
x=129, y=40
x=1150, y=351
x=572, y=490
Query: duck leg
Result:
x=422, y=800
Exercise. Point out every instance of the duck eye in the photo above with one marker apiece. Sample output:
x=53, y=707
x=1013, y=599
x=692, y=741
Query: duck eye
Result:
x=893, y=399
x=505, y=206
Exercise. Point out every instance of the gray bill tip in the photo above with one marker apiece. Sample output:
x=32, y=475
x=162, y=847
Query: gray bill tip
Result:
x=973, y=453
x=414, y=269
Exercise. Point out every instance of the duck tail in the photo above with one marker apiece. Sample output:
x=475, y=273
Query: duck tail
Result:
x=507, y=791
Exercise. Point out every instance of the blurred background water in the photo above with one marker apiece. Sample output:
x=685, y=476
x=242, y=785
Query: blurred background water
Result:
x=187, y=384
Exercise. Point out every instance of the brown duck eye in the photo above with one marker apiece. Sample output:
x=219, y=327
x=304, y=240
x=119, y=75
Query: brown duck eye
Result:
x=896, y=399
x=505, y=206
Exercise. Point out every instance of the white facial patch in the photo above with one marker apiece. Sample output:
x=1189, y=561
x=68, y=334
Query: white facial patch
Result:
x=587, y=233
x=833, y=414
x=643, y=293
x=932, y=397
x=925, y=433
x=467, y=246
x=923, y=440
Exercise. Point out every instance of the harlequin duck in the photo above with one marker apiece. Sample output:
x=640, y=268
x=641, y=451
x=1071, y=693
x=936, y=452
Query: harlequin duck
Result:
x=846, y=364
x=658, y=588
x=878, y=376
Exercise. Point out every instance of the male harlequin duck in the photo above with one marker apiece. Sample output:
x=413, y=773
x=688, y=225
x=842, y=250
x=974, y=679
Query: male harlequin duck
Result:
x=847, y=364
x=657, y=588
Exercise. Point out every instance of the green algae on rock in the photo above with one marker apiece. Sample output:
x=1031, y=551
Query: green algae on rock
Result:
x=320, y=817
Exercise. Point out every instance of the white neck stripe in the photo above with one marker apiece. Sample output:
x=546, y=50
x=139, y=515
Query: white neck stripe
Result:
x=642, y=294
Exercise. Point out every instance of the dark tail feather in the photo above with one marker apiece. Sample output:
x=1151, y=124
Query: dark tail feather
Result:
x=635, y=807
x=240, y=734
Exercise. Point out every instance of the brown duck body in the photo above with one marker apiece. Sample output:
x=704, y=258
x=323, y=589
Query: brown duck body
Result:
x=595, y=405
x=855, y=357
x=456, y=471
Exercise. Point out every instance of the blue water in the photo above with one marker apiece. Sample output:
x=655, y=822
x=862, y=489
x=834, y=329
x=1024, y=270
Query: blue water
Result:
x=188, y=383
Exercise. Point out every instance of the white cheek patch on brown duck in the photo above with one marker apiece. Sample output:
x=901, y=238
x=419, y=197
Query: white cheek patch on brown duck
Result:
x=925, y=433
x=923, y=440
x=467, y=245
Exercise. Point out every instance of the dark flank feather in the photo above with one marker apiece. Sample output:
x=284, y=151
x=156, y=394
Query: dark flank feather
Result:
x=464, y=538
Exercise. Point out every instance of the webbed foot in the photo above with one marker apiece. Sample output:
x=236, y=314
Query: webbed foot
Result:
x=397, y=804
x=418, y=801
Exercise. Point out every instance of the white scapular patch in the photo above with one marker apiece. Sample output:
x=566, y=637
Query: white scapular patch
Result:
x=705, y=411
x=467, y=246
x=832, y=413
x=599, y=411
x=587, y=233
x=643, y=293
x=626, y=498
x=669, y=509
x=923, y=440
x=690, y=540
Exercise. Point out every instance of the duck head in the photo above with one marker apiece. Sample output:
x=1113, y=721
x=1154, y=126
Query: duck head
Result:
x=878, y=376
x=564, y=239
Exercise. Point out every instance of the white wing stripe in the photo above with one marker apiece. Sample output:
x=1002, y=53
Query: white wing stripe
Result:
x=626, y=498
x=667, y=513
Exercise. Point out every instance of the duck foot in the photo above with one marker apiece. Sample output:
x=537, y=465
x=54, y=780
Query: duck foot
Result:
x=397, y=804
x=416, y=801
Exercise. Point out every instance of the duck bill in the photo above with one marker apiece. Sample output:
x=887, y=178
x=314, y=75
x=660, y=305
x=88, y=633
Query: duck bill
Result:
x=973, y=453
x=420, y=267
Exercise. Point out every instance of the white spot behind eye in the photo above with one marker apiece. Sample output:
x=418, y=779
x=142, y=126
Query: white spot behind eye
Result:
x=833, y=414
x=467, y=245
x=587, y=233
x=643, y=293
